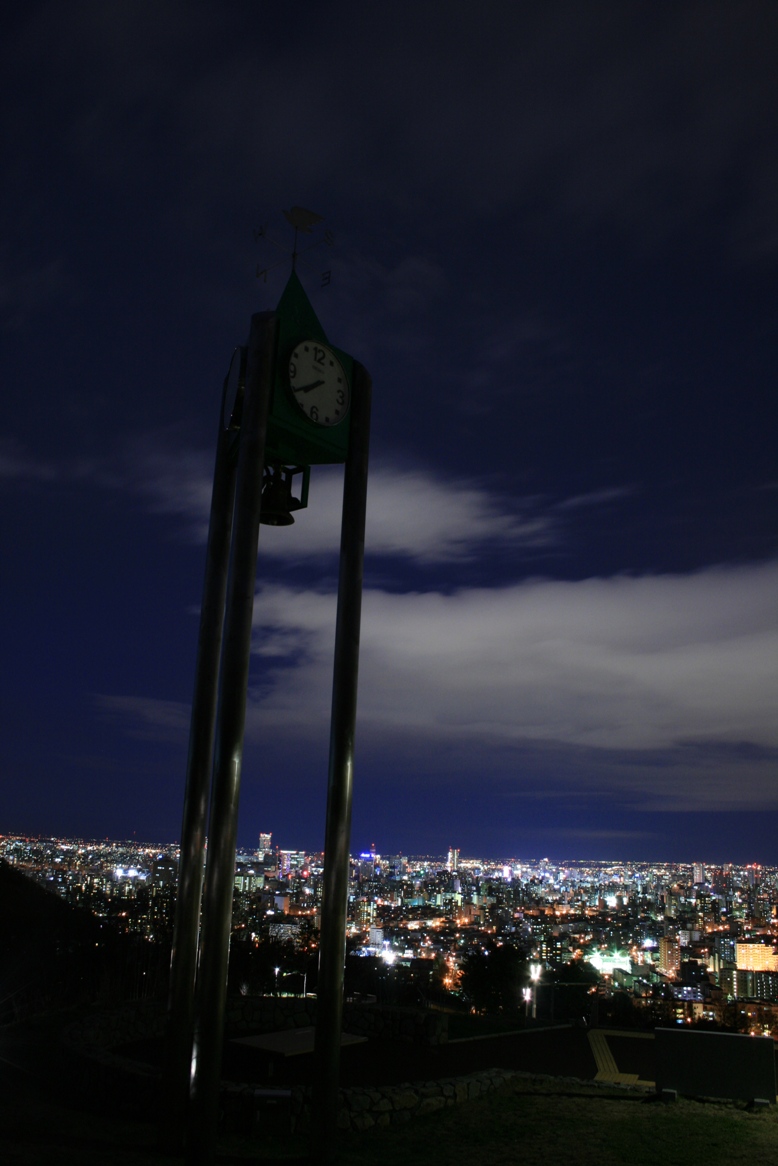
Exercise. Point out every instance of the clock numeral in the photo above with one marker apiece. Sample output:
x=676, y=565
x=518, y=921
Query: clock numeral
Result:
x=340, y=396
x=318, y=355
x=314, y=413
x=292, y=371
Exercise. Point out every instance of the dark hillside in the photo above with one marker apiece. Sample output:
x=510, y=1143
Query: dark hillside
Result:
x=54, y=955
x=27, y=908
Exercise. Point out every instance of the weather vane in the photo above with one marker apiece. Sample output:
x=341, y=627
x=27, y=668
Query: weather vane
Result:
x=303, y=222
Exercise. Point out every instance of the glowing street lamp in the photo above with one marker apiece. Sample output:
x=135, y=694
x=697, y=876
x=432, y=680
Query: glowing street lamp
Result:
x=286, y=975
x=534, y=974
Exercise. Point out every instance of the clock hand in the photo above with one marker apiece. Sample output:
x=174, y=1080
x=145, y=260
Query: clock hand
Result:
x=307, y=388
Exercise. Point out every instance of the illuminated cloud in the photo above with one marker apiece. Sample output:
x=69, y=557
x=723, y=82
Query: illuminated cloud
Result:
x=411, y=514
x=147, y=717
x=655, y=690
x=663, y=686
x=622, y=663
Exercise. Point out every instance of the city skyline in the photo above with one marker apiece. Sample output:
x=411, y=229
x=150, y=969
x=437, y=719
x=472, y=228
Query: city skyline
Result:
x=698, y=866
x=555, y=252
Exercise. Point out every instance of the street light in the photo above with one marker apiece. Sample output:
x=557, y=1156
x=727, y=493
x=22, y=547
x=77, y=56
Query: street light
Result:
x=286, y=975
x=534, y=973
x=276, y=970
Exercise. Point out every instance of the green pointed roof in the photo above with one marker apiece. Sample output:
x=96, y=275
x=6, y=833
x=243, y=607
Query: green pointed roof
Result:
x=297, y=315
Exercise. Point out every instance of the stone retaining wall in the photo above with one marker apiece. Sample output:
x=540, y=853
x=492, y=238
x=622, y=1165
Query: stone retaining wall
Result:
x=378, y=1105
x=361, y=1109
x=96, y=1036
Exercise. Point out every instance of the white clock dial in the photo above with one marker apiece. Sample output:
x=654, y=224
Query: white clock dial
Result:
x=318, y=383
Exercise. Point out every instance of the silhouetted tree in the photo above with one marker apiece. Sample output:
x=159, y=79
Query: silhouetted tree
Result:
x=493, y=976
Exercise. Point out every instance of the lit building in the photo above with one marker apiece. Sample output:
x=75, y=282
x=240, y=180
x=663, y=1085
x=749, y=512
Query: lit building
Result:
x=367, y=864
x=753, y=956
x=756, y=985
x=164, y=871
x=453, y=858
x=724, y=948
x=265, y=845
x=364, y=913
x=669, y=955
x=247, y=879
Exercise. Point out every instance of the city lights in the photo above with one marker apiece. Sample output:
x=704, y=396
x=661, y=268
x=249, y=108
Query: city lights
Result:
x=676, y=943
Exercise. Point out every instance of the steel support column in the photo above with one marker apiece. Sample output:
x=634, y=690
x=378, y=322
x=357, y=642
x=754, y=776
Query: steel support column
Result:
x=332, y=952
x=186, y=929
x=222, y=831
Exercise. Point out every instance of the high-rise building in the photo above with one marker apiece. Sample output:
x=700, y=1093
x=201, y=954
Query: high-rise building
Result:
x=755, y=985
x=265, y=845
x=751, y=956
x=724, y=946
x=364, y=913
x=453, y=858
x=289, y=860
x=698, y=873
x=366, y=866
x=669, y=955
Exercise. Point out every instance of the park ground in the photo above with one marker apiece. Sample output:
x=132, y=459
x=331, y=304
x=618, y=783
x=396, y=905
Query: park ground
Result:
x=539, y=1116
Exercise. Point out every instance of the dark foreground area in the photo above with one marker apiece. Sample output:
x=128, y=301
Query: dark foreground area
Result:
x=59, y=1106
x=52, y=1111
x=563, y=1050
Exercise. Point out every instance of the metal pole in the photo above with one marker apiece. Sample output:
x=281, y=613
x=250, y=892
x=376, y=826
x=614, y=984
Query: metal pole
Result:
x=183, y=958
x=220, y=868
x=332, y=950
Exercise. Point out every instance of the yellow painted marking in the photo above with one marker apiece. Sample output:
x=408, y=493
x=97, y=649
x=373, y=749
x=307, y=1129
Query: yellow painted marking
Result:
x=607, y=1069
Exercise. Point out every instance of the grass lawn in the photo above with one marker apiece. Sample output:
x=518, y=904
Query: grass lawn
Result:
x=537, y=1122
x=545, y=1123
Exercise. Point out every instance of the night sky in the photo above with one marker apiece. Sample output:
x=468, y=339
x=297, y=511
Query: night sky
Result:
x=555, y=249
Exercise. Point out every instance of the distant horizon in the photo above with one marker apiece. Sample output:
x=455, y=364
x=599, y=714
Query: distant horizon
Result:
x=714, y=864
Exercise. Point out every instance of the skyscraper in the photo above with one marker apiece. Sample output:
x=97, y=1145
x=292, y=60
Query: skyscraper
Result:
x=669, y=955
x=265, y=845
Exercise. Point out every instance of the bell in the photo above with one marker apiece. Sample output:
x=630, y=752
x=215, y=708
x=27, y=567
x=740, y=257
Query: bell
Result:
x=277, y=500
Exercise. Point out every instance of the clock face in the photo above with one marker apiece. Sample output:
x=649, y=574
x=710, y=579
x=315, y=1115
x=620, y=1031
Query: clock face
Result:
x=318, y=383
